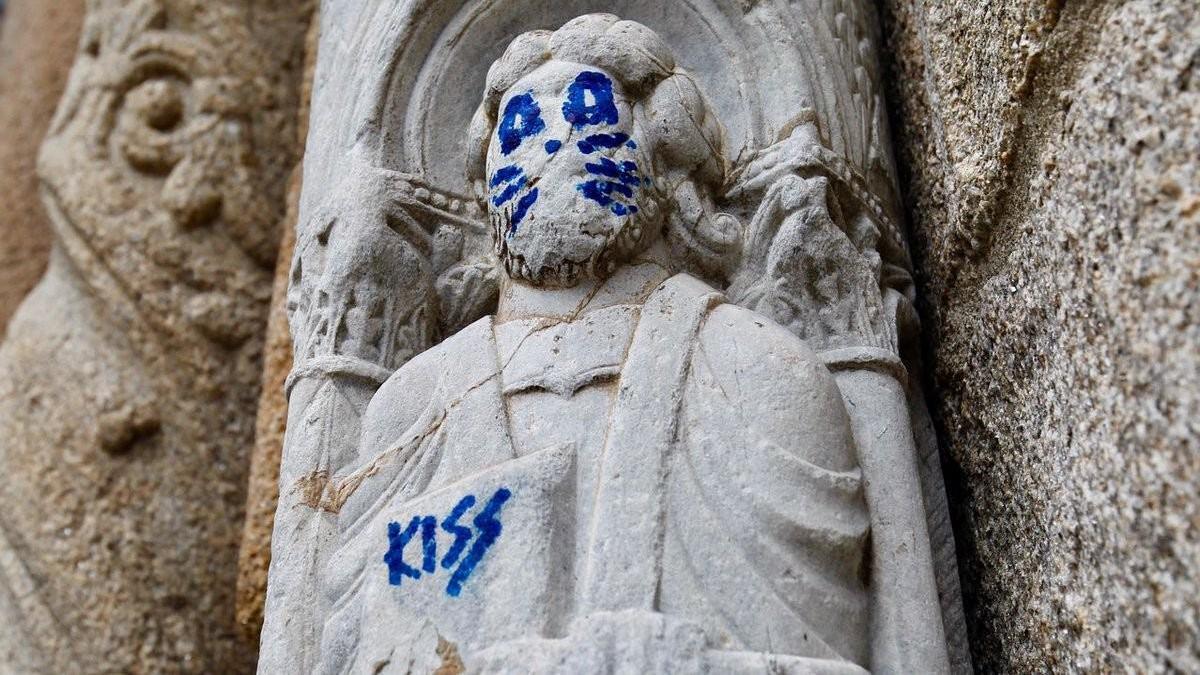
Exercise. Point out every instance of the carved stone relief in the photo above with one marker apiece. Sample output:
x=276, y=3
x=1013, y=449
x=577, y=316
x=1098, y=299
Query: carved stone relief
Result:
x=163, y=173
x=633, y=393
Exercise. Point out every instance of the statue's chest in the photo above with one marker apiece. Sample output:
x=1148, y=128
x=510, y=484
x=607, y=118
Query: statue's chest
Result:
x=538, y=419
x=559, y=384
x=558, y=377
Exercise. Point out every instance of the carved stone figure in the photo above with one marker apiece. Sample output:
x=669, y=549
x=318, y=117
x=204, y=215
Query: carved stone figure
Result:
x=128, y=375
x=682, y=437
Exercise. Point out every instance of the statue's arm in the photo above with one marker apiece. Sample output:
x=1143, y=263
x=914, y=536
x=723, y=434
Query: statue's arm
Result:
x=857, y=412
x=396, y=406
x=784, y=393
x=358, y=307
x=400, y=407
x=906, y=626
x=818, y=276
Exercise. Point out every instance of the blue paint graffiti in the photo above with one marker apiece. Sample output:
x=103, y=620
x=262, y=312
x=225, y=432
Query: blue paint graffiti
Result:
x=487, y=530
x=523, y=205
x=522, y=119
x=600, y=109
x=397, y=540
x=505, y=174
x=509, y=192
x=488, y=524
x=626, y=172
x=617, y=181
x=589, y=145
x=589, y=102
x=513, y=180
x=429, y=544
x=462, y=535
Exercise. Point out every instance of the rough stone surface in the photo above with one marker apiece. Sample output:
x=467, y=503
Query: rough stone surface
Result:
x=619, y=466
x=37, y=46
x=1049, y=150
x=130, y=374
x=263, y=492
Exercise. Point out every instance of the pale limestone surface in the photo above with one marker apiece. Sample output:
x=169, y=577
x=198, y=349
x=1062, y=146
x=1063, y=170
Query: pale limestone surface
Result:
x=129, y=375
x=620, y=466
x=1051, y=150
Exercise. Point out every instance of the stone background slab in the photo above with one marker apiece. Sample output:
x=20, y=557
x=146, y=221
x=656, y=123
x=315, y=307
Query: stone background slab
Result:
x=1049, y=156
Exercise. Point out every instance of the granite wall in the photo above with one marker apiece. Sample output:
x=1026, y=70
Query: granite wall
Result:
x=1050, y=155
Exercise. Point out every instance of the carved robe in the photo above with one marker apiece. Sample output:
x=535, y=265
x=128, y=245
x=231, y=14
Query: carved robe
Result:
x=712, y=469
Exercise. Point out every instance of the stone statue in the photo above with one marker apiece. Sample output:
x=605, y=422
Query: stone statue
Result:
x=680, y=441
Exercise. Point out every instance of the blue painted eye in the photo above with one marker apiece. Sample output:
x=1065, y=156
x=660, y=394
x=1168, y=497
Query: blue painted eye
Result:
x=600, y=110
x=522, y=119
x=552, y=146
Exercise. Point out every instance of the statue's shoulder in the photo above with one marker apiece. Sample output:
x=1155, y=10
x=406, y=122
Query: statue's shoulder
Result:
x=465, y=357
x=738, y=333
x=778, y=382
x=737, y=342
x=762, y=335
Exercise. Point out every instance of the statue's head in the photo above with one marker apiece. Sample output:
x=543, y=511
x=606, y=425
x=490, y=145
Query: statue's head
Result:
x=589, y=145
x=165, y=165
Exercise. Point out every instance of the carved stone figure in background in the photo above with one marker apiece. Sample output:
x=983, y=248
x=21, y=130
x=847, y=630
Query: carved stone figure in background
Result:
x=622, y=466
x=128, y=376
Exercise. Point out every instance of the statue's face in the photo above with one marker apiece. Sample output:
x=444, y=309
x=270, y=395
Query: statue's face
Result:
x=154, y=165
x=566, y=192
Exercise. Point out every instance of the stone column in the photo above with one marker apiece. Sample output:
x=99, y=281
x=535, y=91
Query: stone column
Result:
x=129, y=377
x=37, y=45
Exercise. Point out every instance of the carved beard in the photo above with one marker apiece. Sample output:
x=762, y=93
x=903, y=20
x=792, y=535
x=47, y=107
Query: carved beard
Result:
x=520, y=253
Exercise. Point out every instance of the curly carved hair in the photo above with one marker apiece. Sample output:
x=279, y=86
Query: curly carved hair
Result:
x=684, y=138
